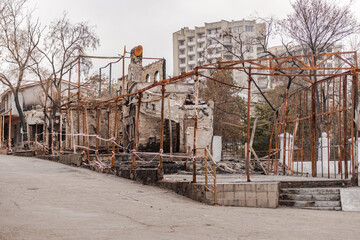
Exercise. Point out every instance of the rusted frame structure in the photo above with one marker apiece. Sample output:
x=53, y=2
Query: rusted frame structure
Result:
x=309, y=70
x=272, y=67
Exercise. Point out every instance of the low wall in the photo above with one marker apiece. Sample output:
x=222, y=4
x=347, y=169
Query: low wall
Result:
x=147, y=176
x=69, y=159
x=350, y=199
x=260, y=195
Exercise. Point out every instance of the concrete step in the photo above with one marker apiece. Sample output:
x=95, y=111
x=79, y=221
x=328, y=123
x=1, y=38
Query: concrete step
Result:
x=310, y=197
x=318, y=208
x=315, y=184
x=310, y=191
x=313, y=204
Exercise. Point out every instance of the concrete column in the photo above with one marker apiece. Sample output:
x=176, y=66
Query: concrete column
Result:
x=323, y=154
x=288, y=149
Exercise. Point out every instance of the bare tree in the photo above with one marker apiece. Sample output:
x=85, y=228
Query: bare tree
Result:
x=19, y=38
x=64, y=43
x=319, y=24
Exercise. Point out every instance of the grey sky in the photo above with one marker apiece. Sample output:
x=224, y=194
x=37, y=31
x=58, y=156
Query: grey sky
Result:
x=152, y=22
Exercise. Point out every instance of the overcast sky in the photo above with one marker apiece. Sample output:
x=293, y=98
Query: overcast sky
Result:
x=150, y=23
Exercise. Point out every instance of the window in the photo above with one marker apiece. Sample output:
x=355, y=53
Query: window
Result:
x=182, y=70
x=147, y=78
x=182, y=51
x=201, y=35
x=200, y=45
x=191, y=49
x=190, y=39
x=191, y=57
x=182, y=61
x=249, y=28
x=213, y=31
x=191, y=67
x=237, y=29
x=181, y=42
x=249, y=49
x=157, y=76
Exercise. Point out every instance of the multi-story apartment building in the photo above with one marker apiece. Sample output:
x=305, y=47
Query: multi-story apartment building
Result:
x=214, y=41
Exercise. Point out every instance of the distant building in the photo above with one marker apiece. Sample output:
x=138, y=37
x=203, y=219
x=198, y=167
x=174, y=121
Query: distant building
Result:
x=214, y=41
x=32, y=102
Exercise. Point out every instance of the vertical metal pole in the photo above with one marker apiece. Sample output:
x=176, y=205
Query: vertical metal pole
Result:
x=72, y=131
x=60, y=133
x=87, y=134
x=355, y=176
x=44, y=131
x=195, y=124
x=110, y=79
x=2, y=119
x=170, y=127
x=79, y=93
x=98, y=116
x=3, y=129
x=99, y=82
x=108, y=127
x=123, y=72
x=345, y=125
x=115, y=134
x=215, y=187
x=248, y=129
x=68, y=131
x=133, y=165
x=285, y=134
x=9, y=142
x=313, y=131
x=160, y=169
x=206, y=170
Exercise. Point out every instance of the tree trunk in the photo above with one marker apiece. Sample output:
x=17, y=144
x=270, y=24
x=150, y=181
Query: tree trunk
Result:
x=22, y=120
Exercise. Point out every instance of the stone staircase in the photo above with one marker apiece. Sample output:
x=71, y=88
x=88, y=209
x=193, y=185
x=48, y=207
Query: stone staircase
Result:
x=318, y=195
x=311, y=198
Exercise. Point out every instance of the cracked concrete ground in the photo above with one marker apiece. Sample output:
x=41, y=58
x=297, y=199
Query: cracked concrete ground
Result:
x=40, y=199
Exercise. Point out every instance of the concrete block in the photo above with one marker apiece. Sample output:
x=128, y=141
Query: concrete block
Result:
x=273, y=187
x=273, y=194
x=228, y=187
x=250, y=187
x=273, y=202
x=241, y=202
x=251, y=202
x=261, y=195
x=239, y=187
x=229, y=195
x=220, y=187
x=250, y=194
x=350, y=199
x=209, y=195
x=262, y=203
x=260, y=187
x=239, y=195
x=229, y=202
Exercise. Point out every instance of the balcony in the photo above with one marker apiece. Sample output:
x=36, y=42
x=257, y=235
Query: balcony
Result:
x=213, y=35
x=227, y=43
x=192, y=62
x=191, y=43
x=216, y=55
x=182, y=65
x=200, y=40
x=200, y=49
x=191, y=53
x=182, y=46
x=182, y=56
